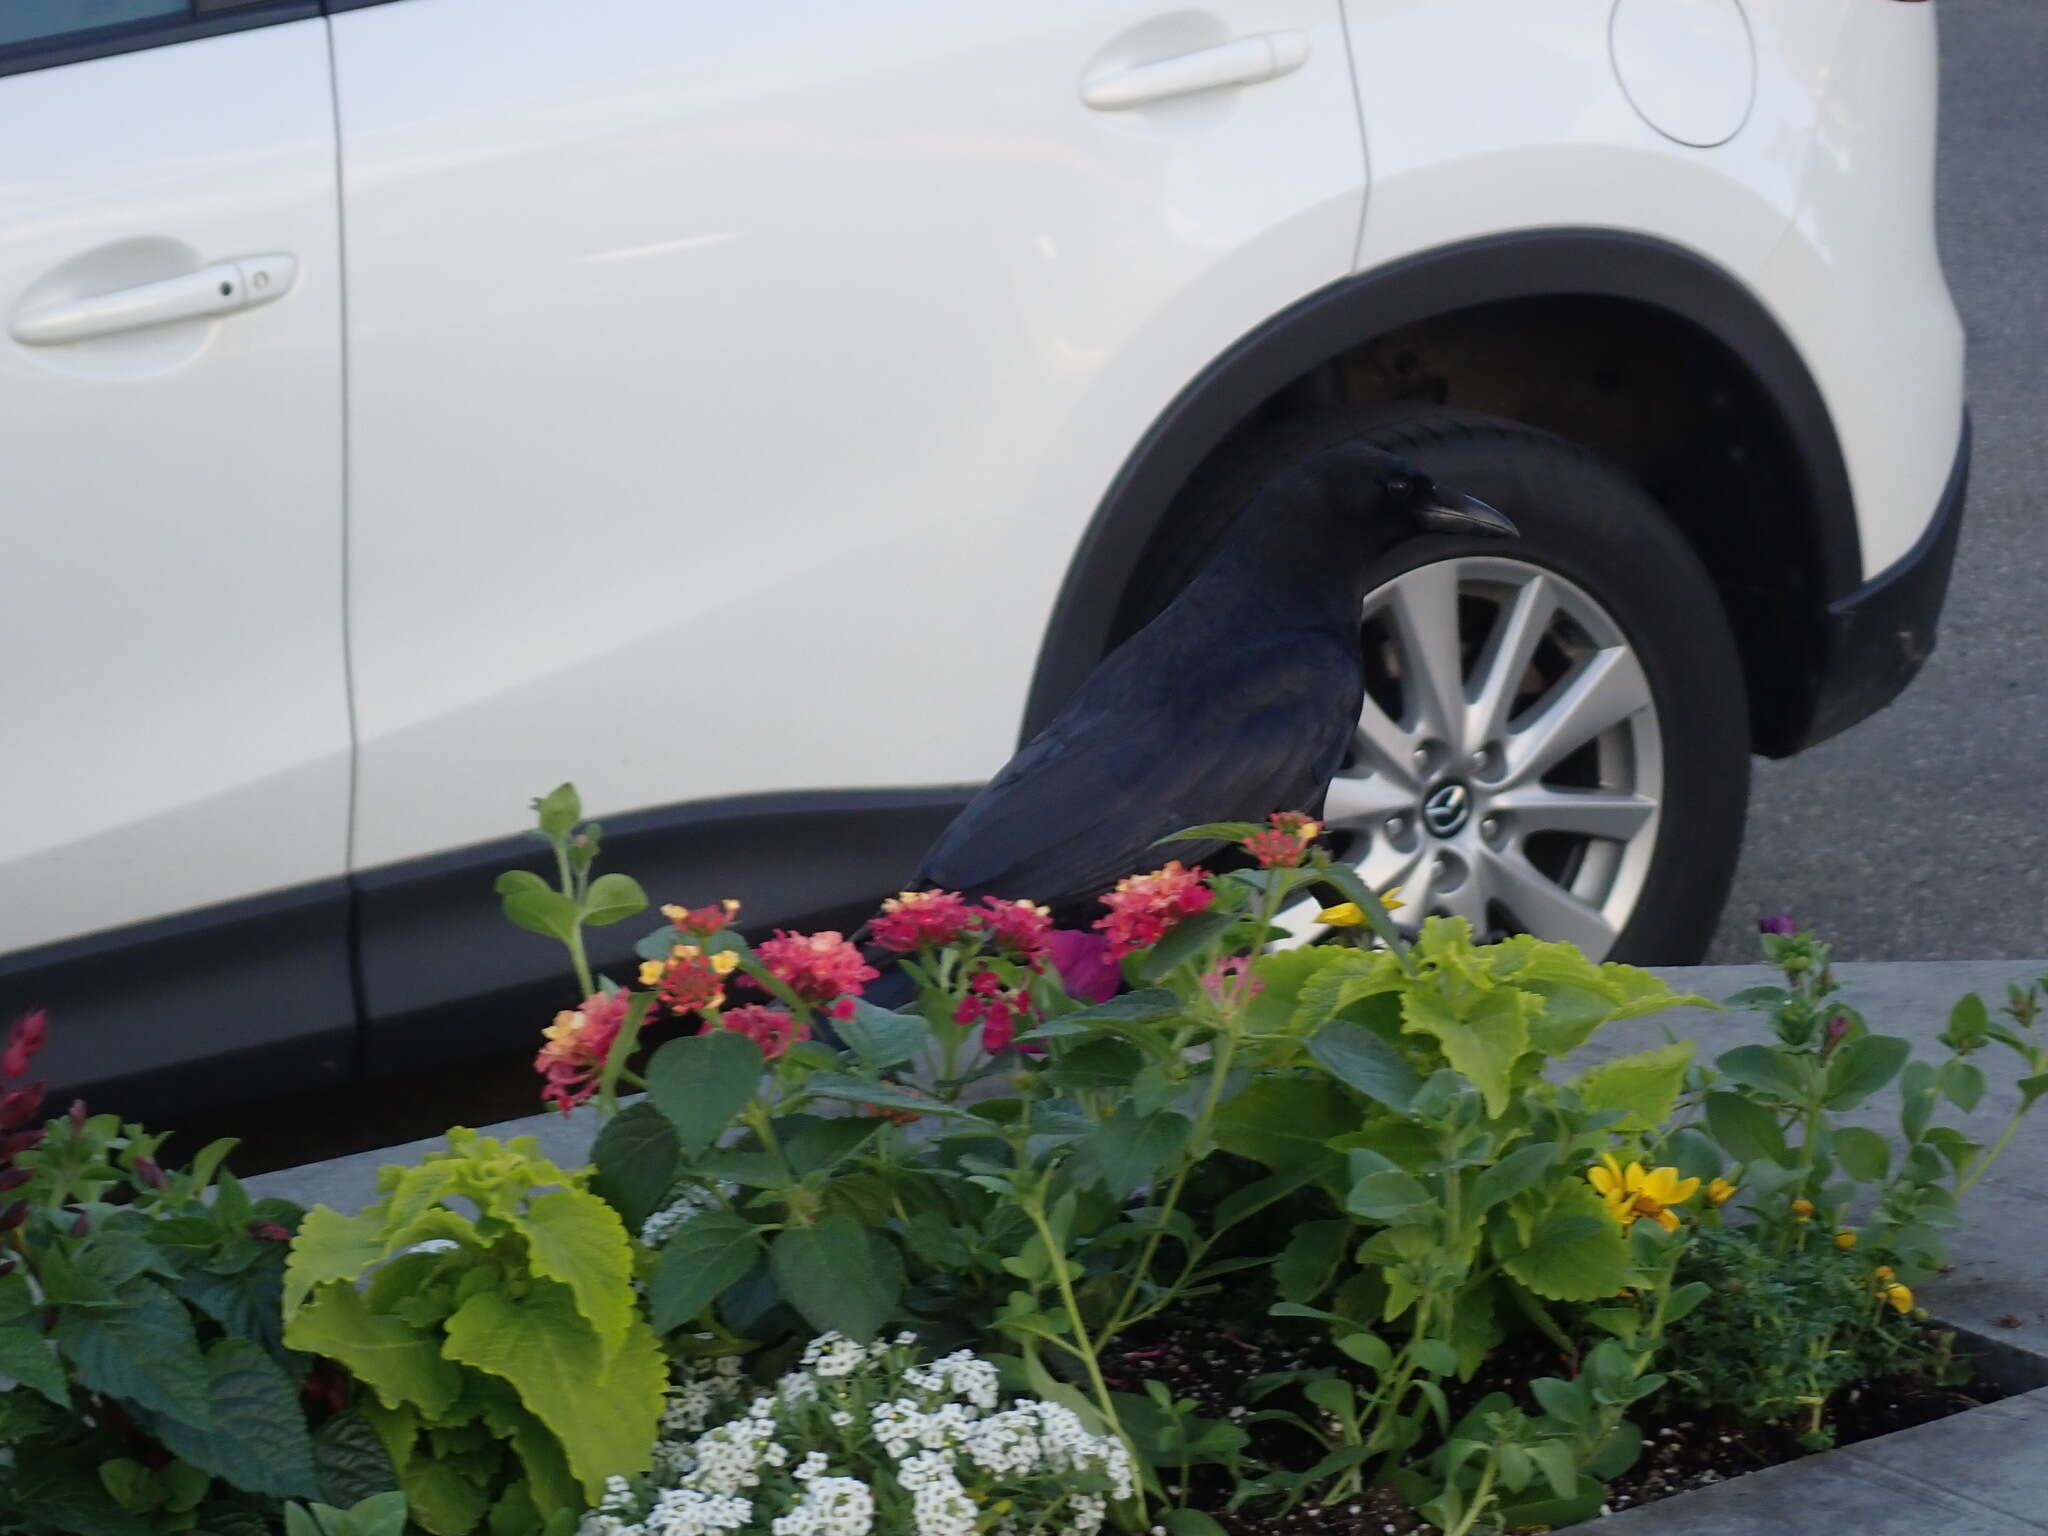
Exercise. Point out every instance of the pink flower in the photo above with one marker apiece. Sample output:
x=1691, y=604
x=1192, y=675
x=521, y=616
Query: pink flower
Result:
x=23, y=1041
x=1019, y=929
x=18, y=1106
x=1088, y=970
x=1144, y=908
x=817, y=967
x=1230, y=982
x=701, y=922
x=689, y=980
x=773, y=1030
x=1283, y=843
x=921, y=920
x=997, y=1009
x=577, y=1044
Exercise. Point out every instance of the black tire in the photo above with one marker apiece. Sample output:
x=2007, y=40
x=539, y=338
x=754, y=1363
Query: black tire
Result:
x=1587, y=522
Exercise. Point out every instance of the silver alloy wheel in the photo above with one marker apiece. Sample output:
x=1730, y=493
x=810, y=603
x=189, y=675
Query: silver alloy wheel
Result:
x=1508, y=767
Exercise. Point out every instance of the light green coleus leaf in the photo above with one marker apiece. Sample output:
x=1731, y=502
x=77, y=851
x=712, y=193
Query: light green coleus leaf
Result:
x=1483, y=1039
x=400, y=1363
x=575, y=1238
x=602, y=1405
x=1646, y=1085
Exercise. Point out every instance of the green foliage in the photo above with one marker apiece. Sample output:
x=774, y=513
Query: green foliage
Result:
x=381, y=1514
x=508, y=1367
x=139, y=1320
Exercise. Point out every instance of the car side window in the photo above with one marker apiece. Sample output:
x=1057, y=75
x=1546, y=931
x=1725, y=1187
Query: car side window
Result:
x=37, y=34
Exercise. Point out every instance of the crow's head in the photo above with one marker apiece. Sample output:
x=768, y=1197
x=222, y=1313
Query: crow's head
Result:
x=1429, y=507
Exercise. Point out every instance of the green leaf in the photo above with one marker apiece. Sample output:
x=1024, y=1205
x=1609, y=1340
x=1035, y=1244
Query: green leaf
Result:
x=1645, y=1086
x=838, y=1275
x=1566, y=1401
x=1190, y=1522
x=712, y=1250
x=2031, y=1088
x=850, y=1090
x=144, y=1350
x=441, y=1498
x=602, y=1405
x=1309, y=1261
x=1284, y=1122
x=62, y=1493
x=575, y=1238
x=1511, y=1175
x=330, y=1246
x=612, y=898
x=1864, y=1155
x=1577, y=1252
x=31, y=1360
x=1147, y=1005
x=399, y=1362
x=1386, y=1196
x=537, y=906
x=1250, y=1199
x=257, y=1439
x=1357, y=1057
x=1744, y=1128
x=1211, y=832
x=1127, y=1149
x=1483, y=1043
x=882, y=1039
x=1863, y=1066
x=702, y=1082
x=1093, y=1065
x=1757, y=997
x=1681, y=1303
x=1434, y=1356
x=825, y=1144
x=558, y=811
x=1187, y=939
x=635, y=1158
x=1764, y=1068
x=350, y=1463
x=1963, y=1082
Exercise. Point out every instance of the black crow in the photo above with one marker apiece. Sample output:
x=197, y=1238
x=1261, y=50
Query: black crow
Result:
x=1239, y=699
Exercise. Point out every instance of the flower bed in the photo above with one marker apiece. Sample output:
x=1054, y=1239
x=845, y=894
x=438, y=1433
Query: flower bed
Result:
x=964, y=1265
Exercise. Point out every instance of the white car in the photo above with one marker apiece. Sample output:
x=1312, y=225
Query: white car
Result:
x=765, y=414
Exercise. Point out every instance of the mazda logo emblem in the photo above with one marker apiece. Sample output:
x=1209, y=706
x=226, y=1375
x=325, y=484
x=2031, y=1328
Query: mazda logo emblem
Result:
x=1447, y=809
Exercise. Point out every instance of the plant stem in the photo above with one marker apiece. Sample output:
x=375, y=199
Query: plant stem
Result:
x=1998, y=1147
x=1063, y=1278
x=1480, y=1496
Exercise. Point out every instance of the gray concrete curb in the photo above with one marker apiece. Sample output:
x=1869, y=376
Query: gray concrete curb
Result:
x=1983, y=1473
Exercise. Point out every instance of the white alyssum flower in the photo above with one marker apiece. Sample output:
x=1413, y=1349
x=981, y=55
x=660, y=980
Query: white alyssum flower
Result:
x=685, y=1201
x=863, y=1440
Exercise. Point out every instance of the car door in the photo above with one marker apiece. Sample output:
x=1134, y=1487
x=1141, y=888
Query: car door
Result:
x=730, y=386
x=178, y=748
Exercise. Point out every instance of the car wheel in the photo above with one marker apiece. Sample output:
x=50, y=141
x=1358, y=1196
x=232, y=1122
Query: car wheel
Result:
x=1555, y=735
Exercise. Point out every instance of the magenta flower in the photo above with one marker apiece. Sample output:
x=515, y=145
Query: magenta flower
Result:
x=773, y=1030
x=1087, y=969
x=817, y=967
x=23, y=1041
x=1780, y=924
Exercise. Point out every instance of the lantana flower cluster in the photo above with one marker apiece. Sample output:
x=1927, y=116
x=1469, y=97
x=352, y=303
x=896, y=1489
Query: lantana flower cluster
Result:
x=863, y=1440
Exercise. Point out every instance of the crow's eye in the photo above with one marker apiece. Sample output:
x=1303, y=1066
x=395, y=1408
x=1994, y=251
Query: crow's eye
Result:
x=1399, y=487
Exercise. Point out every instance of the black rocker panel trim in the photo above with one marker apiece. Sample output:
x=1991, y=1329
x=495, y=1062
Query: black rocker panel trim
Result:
x=444, y=975
x=231, y=1003
x=1584, y=263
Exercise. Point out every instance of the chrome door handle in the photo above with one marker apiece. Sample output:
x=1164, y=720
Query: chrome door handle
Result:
x=1242, y=61
x=220, y=289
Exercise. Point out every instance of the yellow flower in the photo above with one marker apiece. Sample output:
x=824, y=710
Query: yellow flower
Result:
x=1720, y=1192
x=1900, y=1297
x=1636, y=1192
x=651, y=972
x=1346, y=914
x=1845, y=1239
x=1882, y=1273
x=1803, y=1209
x=725, y=962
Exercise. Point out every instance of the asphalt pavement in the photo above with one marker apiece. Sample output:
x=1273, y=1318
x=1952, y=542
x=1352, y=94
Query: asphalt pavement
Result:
x=1922, y=834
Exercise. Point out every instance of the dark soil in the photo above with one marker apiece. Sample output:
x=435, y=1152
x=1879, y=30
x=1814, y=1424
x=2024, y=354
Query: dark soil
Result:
x=1214, y=1364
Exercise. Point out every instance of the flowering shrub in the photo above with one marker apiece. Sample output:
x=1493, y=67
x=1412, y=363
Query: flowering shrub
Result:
x=150, y=1388
x=1380, y=1143
x=864, y=1439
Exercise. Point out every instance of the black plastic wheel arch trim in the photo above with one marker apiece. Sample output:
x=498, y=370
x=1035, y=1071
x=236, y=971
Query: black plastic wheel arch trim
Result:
x=1878, y=638
x=1579, y=263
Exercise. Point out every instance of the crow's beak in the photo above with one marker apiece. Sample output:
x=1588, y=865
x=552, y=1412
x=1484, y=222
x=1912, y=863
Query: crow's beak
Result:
x=1465, y=516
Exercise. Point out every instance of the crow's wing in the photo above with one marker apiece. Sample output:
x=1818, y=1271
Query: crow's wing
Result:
x=1145, y=750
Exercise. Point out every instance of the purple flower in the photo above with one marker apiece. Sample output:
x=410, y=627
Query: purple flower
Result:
x=1781, y=925
x=1087, y=969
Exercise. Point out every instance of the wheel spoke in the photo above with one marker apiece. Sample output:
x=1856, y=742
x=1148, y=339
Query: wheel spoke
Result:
x=1505, y=662
x=1416, y=881
x=1605, y=690
x=1544, y=907
x=1385, y=747
x=1424, y=607
x=1612, y=814
x=1365, y=803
